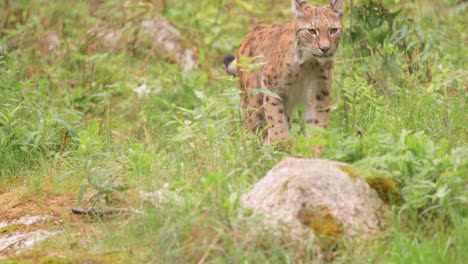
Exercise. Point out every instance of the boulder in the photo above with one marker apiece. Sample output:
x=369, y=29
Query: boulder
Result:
x=316, y=198
x=156, y=34
x=167, y=39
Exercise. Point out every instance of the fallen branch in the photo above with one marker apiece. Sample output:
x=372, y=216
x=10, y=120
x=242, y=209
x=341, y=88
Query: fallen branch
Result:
x=104, y=211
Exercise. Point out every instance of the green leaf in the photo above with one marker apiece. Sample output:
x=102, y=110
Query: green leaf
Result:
x=253, y=66
x=64, y=175
x=246, y=64
x=265, y=91
x=245, y=5
x=82, y=191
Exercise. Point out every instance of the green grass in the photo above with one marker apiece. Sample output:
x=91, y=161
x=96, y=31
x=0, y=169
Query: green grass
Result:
x=72, y=119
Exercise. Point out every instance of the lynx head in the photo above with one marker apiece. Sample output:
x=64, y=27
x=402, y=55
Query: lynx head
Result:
x=318, y=30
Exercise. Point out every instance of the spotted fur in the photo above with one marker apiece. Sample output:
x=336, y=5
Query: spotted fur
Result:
x=297, y=65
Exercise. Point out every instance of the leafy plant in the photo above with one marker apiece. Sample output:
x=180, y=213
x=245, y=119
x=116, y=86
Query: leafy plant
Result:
x=102, y=182
x=372, y=23
x=27, y=136
x=433, y=181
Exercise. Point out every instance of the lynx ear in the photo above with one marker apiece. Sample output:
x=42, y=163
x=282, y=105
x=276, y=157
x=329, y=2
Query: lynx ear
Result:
x=296, y=7
x=337, y=6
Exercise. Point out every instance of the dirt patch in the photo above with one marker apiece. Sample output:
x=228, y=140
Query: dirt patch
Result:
x=39, y=227
x=28, y=219
x=22, y=233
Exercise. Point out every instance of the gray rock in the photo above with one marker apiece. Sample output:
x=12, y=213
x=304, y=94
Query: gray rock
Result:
x=23, y=238
x=166, y=38
x=315, y=198
x=157, y=34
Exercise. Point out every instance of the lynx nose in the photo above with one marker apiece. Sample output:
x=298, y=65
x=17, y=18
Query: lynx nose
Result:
x=325, y=49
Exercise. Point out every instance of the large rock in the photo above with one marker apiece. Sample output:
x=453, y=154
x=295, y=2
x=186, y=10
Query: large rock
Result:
x=315, y=198
x=166, y=38
x=157, y=34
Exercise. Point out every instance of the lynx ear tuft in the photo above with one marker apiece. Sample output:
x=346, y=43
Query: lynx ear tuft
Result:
x=337, y=6
x=296, y=7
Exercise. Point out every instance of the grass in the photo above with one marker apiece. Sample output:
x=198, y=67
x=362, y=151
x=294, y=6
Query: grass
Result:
x=73, y=129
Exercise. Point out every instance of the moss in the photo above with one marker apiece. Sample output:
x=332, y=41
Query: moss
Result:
x=324, y=224
x=387, y=189
x=10, y=229
x=54, y=260
x=45, y=260
x=351, y=171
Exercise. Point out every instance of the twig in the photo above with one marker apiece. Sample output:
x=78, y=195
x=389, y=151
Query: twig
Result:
x=103, y=211
x=210, y=247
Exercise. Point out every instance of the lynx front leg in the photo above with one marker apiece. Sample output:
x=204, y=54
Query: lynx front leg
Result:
x=253, y=116
x=318, y=108
x=318, y=104
x=277, y=118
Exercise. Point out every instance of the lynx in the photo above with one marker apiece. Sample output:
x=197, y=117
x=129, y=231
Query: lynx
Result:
x=296, y=65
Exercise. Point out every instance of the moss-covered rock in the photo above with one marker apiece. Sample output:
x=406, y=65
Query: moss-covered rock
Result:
x=351, y=171
x=324, y=225
x=387, y=189
x=315, y=199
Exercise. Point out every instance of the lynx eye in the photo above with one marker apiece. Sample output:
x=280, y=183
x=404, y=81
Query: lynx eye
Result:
x=333, y=30
x=312, y=31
